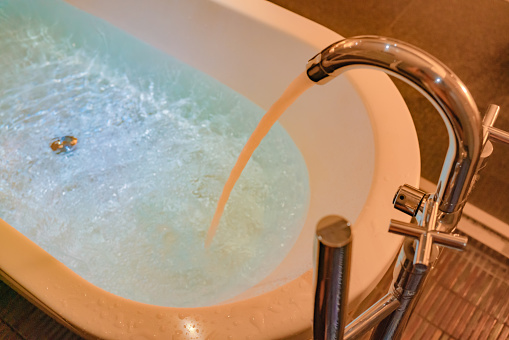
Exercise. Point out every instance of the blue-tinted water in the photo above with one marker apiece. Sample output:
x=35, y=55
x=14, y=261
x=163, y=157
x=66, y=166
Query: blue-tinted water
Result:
x=129, y=208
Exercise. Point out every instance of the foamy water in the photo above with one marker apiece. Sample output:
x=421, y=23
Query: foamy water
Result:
x=129, y=209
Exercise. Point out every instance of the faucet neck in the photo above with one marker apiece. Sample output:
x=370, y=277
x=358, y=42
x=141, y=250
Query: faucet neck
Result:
x=438, y=84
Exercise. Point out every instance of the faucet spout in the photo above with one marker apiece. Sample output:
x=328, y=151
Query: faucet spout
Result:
x=439, y=85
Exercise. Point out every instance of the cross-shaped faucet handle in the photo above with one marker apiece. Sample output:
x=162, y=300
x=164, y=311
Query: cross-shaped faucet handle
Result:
x=414, y=202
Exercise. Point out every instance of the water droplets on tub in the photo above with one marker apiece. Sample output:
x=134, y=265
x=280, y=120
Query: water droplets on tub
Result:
x=129, y=207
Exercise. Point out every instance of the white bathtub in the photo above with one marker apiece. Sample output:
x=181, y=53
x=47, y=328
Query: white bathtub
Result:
x=355, y=134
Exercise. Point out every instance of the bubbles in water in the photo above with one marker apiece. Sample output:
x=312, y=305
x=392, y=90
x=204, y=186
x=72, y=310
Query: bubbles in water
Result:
x=129, y=208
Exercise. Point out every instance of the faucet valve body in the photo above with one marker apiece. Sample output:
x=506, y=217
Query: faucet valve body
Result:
x=409, y=199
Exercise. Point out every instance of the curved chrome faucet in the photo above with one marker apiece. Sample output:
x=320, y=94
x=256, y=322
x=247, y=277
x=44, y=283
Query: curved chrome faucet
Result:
x=440, y=86
x=438, y=213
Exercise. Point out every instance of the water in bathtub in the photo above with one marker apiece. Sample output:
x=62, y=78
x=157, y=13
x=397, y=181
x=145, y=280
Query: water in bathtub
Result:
x=127, y=207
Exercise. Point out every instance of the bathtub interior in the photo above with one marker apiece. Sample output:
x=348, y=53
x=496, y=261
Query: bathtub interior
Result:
x=128, y=209
x=333, y=126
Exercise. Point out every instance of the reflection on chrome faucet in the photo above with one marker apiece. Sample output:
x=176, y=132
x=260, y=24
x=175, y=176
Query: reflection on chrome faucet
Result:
x=438, y=84
x=435, y=214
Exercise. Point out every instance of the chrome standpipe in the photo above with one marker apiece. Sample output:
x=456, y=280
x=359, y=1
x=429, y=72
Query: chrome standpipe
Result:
x=334, y=247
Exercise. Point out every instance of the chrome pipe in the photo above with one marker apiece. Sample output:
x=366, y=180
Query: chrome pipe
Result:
x=371, y=317
x=333, y=245
x=392, y=327
x=453, y=241
x=406, y=229
x=439, y=85
x=490, y=116
x=498, y=135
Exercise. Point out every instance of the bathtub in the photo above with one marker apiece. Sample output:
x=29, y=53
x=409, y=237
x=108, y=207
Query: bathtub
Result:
x=355, y=134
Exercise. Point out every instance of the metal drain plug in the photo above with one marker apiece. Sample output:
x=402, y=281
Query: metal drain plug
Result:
x=64, y=144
